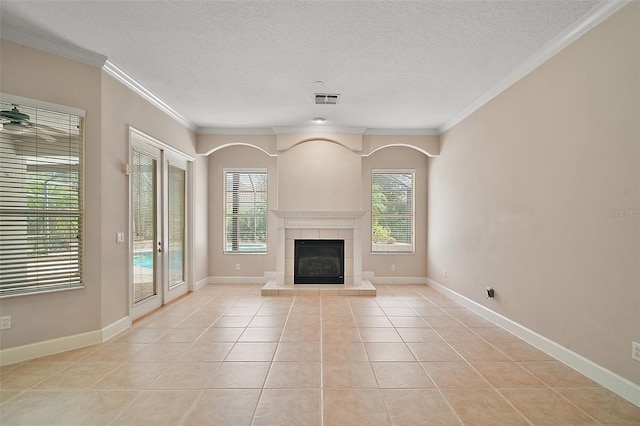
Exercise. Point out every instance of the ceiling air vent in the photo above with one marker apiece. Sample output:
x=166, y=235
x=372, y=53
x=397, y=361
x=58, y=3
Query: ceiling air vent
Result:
x=327, y=98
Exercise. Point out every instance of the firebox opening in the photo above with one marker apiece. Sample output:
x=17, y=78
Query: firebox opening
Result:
x=318, y=262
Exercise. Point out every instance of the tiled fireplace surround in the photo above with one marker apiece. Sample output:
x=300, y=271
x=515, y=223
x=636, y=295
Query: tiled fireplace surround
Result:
x=340, y=225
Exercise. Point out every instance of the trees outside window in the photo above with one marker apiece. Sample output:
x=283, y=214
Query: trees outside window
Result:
x=392, y=211
x=246, y=211
x=41, y=209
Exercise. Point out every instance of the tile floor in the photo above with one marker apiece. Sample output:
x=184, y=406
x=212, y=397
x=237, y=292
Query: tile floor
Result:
x=227, y=356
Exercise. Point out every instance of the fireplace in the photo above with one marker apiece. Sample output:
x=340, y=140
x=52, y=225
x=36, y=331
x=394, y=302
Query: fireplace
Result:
x=313, y=225
x=318, y=262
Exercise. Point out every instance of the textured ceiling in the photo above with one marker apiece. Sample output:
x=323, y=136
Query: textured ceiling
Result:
x=404, y=65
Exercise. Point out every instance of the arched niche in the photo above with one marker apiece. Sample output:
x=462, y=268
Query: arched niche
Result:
x=319, y=175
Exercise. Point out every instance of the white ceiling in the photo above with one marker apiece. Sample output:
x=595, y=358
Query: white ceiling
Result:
x=410, y=66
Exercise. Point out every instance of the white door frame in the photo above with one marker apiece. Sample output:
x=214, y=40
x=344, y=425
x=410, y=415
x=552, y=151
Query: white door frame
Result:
x=167, y=153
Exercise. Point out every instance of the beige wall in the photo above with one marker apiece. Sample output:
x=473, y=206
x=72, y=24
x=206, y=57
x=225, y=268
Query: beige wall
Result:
x=121, y=108
x=251, y=265
x=537, y=194
x=319, y=175
x=201, y=219
x=37, y=75
x=110, y=109
x=300, y=180
x=406, y=265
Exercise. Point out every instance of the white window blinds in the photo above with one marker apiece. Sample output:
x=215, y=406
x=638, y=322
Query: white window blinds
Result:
x=392, y=211
x=40, y=200
x=245, y=211
x=177, y=224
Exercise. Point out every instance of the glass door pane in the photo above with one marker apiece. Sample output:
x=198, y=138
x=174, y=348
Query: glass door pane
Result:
x=144, y=205
x=176, y=224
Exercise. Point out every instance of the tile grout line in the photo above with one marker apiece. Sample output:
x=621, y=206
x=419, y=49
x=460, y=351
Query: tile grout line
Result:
x=455, y=413
x=327, y=310
x=511, y=359
x=321, y=363
x=384, y=402
x=474, y=369
x=266, y=377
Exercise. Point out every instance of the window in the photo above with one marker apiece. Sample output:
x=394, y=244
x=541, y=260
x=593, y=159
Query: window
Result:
x=245, y=212
x=392, y=211
x=40, y=200
x=176, y=227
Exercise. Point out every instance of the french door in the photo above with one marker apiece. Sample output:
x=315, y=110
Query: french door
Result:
x=158, y=188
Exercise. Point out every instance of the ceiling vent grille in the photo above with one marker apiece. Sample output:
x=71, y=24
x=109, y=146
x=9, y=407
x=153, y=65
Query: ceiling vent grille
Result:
x=327, y=98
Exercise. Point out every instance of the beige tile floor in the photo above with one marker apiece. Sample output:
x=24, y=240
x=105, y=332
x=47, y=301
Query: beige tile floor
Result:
x=227, y=356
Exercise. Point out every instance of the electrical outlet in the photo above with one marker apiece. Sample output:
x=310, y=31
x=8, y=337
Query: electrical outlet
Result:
x=119, y=237
x=5, y=323
x=393, y=267
x=445, y=273
x=635, y=354
x=237, y=266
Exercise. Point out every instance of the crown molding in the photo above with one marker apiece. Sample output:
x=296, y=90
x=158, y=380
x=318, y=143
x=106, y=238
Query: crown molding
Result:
x=315, y=130
x=318, y=129
x=88, y=57
x=124, y=78
x=598, y=14
x=402, y=132
x=235, y=131
x=59, y=48
x=592, y=19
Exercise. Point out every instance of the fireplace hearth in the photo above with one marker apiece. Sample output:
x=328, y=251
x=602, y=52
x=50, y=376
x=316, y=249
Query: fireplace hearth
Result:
x=323, y=225
x=318, y=262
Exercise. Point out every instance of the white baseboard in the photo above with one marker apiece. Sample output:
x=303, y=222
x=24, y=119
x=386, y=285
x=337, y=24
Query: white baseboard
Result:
x=115, y=328
x=608, y=379
x=62, y=344
x=200, y=284
x=237, y=280
x=371, y=277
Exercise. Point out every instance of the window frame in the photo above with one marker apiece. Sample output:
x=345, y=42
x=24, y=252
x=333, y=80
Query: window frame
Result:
x=225, y=215
x=376, y=248
x=71, y=262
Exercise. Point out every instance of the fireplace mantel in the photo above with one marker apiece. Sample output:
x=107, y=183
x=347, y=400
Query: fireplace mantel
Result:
x=318, y=214
x=326, y=222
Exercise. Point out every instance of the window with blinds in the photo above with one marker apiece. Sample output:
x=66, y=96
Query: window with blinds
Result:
x=40, y=200
x=392, y=211
x=177, y=224
x=245, y=211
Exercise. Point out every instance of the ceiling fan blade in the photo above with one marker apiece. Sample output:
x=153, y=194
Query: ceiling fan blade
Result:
x=50, y=130
x=46, y=137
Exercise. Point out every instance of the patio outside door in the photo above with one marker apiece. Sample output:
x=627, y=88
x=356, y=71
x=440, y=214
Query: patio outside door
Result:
x=158, y=226
x=145, y=229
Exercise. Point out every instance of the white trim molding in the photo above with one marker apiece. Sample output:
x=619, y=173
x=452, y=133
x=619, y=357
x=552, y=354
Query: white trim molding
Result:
x=115, y=328
x=608, y=379
x=53, y=46
x=158, y=143
x=401, y=132
x=598, y=14
x=237, y=280
x=123, y=77
x=201, y=284
x=392, y=280
x=235, y=131
x=318, y=130
x=63, y=344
